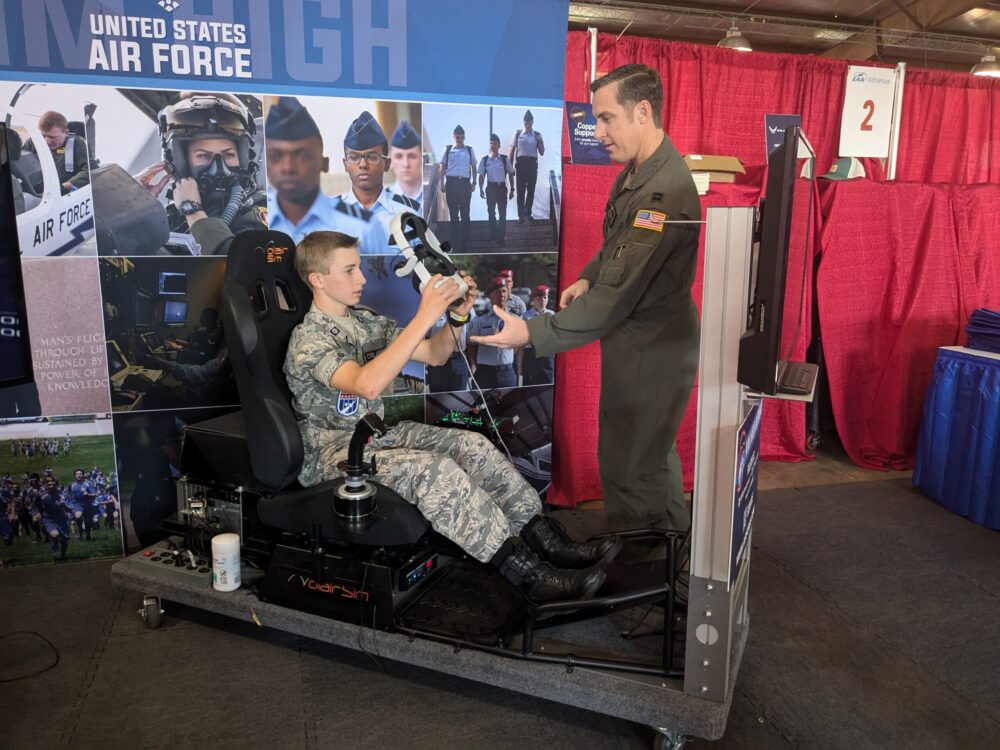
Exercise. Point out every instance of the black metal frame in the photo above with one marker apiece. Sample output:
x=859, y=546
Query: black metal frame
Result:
x=552, y=614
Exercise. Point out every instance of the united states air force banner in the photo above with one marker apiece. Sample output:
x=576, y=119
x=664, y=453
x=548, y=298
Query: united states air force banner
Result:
x=144, y=135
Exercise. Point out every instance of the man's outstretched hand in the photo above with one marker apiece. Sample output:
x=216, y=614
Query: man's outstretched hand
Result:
x=513, y=335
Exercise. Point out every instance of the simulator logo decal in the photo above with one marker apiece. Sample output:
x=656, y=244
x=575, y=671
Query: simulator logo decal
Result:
x=333, y=589
x=276, y=254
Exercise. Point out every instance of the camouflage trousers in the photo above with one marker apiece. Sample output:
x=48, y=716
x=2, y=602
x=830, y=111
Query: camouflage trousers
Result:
x=467, y=490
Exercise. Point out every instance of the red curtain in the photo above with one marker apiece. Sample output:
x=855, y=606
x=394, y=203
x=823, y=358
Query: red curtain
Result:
x=950, y=128
x=903, y=266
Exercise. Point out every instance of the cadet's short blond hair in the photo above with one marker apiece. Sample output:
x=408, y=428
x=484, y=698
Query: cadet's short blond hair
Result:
x=313, y=254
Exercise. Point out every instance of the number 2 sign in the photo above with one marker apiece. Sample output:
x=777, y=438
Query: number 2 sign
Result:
x=866, y=125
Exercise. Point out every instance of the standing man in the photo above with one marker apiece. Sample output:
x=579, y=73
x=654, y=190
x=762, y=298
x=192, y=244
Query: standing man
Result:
x=496, y=171
x=538, y=370
x=69, y=151
x=525, y=149
x=634, y=295
x=366, y=159
x=457, y=164
x=407, y=158
x=494, y=365
x=295, y=203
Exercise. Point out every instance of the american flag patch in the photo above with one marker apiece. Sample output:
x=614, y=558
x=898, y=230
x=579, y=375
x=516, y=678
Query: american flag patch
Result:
x=650, y=220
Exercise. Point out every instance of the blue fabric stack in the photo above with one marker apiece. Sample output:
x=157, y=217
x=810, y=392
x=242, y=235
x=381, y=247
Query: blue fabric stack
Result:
x=984, y=330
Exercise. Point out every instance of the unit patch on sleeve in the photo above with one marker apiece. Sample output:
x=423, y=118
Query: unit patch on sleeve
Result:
x=646, y=219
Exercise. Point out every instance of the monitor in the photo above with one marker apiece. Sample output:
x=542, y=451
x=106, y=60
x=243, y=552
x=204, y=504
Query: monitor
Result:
x=759, y=345
x=172, y=282
x=175, y=313
x=116, y=360
x=15, y=348
x=143, y=309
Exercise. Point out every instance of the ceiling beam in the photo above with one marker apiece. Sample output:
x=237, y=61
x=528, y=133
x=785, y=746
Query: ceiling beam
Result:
x=916, y=17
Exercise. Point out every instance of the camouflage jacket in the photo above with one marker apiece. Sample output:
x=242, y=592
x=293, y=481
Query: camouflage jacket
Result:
x=319, y=345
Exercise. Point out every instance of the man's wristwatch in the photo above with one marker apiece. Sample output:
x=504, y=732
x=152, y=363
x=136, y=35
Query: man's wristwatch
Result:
x=187, y=208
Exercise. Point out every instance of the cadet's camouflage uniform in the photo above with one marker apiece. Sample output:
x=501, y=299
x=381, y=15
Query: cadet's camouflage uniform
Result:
x=467, y=491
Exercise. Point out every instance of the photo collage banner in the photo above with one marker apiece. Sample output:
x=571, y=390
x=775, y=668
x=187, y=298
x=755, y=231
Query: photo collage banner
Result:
x=143, y=136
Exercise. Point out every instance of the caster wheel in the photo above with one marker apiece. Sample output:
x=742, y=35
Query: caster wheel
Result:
x=151, y=612
x=666, y=739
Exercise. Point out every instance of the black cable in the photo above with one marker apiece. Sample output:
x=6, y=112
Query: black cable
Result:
x=43, y=670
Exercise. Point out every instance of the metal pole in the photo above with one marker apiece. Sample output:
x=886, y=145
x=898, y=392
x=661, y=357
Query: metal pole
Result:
x=897, y=116
x=592, y=32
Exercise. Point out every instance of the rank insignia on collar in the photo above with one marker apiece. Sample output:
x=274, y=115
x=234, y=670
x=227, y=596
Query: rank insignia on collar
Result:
x=646, y=219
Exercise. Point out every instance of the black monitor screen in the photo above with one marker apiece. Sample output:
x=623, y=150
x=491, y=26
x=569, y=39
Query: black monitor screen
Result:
x=116, y=362
x=175, y=313
x=143, y=309
x=15, y=349
x=173, y=283
x=759, y=345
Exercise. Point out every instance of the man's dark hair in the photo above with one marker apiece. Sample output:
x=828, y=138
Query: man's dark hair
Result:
x=636, y=83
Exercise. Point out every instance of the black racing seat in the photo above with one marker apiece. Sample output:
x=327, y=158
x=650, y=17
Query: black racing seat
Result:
x=263, y=299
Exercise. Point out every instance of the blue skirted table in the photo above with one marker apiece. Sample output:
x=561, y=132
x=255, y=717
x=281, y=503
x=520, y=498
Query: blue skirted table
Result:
x=957, y=457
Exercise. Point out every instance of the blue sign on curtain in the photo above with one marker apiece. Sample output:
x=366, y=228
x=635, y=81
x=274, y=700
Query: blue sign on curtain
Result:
x=774, y=129
x=447, y=50
x=585, y=147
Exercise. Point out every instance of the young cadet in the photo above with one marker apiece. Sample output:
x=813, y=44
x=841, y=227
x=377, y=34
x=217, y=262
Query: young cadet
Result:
x=634, y=295
x=538, y=370
x=525, y=148
x=494, y=366
x=407, y=159
x=366, y=159
x=295, y=203
x=340, y=360
x=458, y=180
x=496, y=171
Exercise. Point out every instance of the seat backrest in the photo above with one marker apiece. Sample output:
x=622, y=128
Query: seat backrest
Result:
x=263, y=299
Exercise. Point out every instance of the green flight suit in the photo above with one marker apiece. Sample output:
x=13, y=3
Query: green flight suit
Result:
x=213, y=234
x=640, y=306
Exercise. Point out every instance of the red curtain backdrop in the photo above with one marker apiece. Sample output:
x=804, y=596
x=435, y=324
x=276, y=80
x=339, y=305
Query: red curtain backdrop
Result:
x=902, y=267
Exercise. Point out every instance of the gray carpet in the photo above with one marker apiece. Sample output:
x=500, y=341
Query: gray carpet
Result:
x=875, y=617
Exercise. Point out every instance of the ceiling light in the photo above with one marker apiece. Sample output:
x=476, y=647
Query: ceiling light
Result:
x=734, y=40
x=988, y=66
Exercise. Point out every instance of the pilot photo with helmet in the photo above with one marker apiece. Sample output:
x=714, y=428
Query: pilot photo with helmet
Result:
x=210, y=162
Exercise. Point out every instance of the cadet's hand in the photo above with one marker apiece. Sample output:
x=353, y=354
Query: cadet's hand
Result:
x=481, y=193
x=514, y=333
x=435, y=298
x=511, y=195
x=154, y=177
x=574, y=290
x=470, y=296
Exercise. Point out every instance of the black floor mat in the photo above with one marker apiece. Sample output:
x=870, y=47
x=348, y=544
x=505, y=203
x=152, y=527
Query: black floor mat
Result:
x=467, y=602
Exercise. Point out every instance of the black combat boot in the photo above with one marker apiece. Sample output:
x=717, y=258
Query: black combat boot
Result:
x=548, y=538
x=541, y=581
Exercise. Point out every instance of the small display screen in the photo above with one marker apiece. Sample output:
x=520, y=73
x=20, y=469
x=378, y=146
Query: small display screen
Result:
x=116, y=362
x=175, y=313
x=173, y=283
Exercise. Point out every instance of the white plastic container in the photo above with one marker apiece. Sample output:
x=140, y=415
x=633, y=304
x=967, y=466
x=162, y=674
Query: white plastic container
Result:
x=226, y=562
